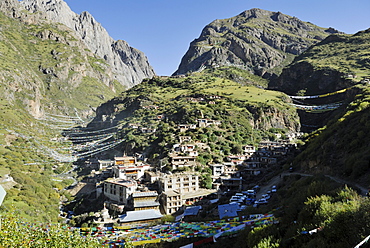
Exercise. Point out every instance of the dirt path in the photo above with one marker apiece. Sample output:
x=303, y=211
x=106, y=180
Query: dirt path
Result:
x=338, y=180
x=276, y=180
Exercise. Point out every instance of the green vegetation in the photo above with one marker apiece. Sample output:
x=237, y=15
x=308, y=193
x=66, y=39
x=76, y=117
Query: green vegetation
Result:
x=243, y=115
x=16, y=232
x=44, y=70
x=237, y=75
x=348, y=54
x=338, y=147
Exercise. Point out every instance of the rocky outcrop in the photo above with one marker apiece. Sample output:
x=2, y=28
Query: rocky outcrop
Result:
x=337, y=62
x=304, y=76
x=256, y=40
x=129, y=65
x=48, y=68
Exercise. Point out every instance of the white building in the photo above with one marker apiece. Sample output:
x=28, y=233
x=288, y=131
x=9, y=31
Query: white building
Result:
x=119, y=190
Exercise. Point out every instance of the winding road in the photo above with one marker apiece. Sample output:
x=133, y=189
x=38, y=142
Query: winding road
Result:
x=277, y=179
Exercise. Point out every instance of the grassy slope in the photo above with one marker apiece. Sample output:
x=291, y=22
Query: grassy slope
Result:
x=246, y=113
x=349, y=54
x=25, y=141
x=339, y=147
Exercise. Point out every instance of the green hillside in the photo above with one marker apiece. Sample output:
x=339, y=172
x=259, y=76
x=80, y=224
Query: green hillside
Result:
x=338, y=62
x=348, y=54
x=339, y=147
x=44, y=71
x=247, y=114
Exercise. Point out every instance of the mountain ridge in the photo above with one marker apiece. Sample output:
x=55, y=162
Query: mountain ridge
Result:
x=256, y=40
x=129, y=65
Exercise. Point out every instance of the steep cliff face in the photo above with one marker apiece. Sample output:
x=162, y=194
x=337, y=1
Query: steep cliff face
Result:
x=304, y=76
x=256, y=40
x=45, y=67
x=129, y=65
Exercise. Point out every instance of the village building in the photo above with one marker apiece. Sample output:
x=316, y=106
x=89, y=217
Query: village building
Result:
x=147, y=130
x=217, y=170
x=125, y=160
x=191, y=212
x=185, y=127
x=208, y=122
x=127, y=167
x=150, y=107
x=183, y=139
x=228, y=183
x=119, y=190
x=145, y=200
x=184, y=182
x=251, y=172
x=228, y=210
x=249, y=150
x=183, y=147
x=182, y=161
x=105, y=164
x=152, y=177
x=178, y=190
x=141, y=217
x=133, y=125
x=252, y=164
x=236, y=159
x=230, y=169
x=135, y=171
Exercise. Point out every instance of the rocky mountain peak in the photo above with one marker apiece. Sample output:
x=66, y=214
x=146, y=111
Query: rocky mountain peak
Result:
x=254, y=13
x=97, y=39
x=256, y=40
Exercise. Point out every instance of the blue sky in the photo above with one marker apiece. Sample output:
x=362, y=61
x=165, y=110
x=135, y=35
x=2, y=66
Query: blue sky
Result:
x=163, y=29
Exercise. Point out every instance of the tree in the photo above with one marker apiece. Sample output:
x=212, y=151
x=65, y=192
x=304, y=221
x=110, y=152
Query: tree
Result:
x=206, y=181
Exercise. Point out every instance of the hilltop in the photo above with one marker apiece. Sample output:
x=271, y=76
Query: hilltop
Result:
x=247, y=114
x=127, y=65
x=259, y=41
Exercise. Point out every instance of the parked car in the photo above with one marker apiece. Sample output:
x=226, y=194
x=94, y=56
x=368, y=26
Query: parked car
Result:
x=250, y=201
x=241, y=200
x=242, y=207
x=234, y=199
x=265, y=196
x=261, y=201
x=250, y=192
x=273, y=189
x=256, y=188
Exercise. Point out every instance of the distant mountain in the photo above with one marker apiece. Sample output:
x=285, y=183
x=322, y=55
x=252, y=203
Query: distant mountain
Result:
x=337, y=62
x=259, y=41
x=129, y=65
